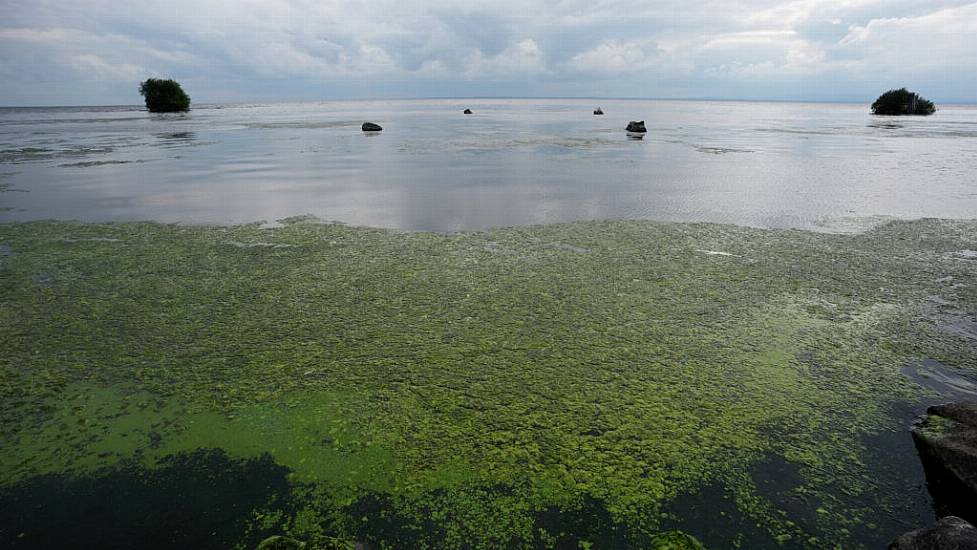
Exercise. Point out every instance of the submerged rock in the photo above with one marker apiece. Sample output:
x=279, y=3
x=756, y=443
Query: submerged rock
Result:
x=946, y=439
x=278, y=542
x=371, y=127
x=950, y=533
x=675, y=540
x=637, y=127
x=468, y=111
x=598, y=111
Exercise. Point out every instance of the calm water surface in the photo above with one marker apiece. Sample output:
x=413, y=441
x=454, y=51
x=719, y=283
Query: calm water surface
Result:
x=513, y=162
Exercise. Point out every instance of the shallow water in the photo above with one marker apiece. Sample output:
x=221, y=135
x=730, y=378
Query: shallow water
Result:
x=512, y=162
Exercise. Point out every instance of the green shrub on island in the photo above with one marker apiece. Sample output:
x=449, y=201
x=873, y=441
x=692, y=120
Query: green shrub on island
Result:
x=164, y=96
x=902, y=102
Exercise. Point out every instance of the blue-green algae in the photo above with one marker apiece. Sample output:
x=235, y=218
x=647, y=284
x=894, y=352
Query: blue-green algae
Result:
x=537, y=386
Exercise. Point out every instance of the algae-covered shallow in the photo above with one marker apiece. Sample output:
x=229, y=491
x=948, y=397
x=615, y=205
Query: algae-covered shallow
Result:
x=592, y=385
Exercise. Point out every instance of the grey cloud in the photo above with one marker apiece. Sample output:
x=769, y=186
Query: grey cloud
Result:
x=95, y=51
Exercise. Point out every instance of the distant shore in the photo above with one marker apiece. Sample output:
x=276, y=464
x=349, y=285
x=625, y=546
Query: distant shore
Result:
x=212, y=103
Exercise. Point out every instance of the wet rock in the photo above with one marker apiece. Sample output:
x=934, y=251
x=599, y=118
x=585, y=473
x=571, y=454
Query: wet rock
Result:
x=946, y=439
x=278, y=542
x=950, y=533
x=637, y=127
x=371, y=127
x=598, y=111
x=468, y=111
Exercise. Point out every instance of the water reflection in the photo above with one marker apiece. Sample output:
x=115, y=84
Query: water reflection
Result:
x=513, y=162
x=181, y=136
x=885, y=125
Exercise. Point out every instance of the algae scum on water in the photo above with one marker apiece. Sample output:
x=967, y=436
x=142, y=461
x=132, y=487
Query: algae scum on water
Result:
x=586, y=385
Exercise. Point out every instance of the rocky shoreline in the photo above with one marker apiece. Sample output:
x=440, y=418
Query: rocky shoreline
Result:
x=946, y=439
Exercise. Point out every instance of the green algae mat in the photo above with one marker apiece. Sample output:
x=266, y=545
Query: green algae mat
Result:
x=612, y=384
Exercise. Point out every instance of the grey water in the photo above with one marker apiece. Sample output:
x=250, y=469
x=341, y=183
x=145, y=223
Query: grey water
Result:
x=831, y=167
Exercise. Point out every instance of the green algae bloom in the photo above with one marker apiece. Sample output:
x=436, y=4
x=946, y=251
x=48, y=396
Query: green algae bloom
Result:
x=675, y=540
x=596, y=384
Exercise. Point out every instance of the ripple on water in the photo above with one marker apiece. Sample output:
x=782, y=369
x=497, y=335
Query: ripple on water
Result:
x=946, y=381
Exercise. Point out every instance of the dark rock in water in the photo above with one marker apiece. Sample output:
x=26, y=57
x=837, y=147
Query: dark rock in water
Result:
x=946, y=439
x=637, y=127
x=468, y=111
x=598, y=111
x=950, y=533
x=280, y=543
x=371, y=127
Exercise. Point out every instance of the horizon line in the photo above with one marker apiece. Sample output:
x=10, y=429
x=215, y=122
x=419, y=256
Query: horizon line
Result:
x=425, y=98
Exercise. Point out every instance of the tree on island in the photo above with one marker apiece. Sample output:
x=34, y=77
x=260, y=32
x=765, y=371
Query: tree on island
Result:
x=902, y=102
x=164, y=96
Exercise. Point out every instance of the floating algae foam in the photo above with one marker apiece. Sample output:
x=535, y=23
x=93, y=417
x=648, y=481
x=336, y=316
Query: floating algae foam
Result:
x=480, y=389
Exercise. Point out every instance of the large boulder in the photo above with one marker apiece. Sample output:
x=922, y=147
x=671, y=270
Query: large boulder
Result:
x=468, y=111
x=950, y=533
x=946, y=439
x=598, y=111
x=371, y=127
x=637, y=127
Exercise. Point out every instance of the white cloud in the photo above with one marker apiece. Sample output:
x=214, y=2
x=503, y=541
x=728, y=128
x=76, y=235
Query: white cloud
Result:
x=791, y=14
x=433, y=68
x=946, y=37
x=100, y=68
x=77, y=41
x=523, y=57
x=613, y=55
x=752, y=54
x=749, y=38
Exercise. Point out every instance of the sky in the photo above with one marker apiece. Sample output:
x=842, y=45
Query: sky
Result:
x=95, y=52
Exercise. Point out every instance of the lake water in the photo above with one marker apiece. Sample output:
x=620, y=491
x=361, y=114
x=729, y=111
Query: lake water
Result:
x=596, y=368
x=512, y=162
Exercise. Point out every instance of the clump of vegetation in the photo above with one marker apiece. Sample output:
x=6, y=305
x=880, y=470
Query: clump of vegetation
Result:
x=902, y=102
x=577, y=385
x=164, y=96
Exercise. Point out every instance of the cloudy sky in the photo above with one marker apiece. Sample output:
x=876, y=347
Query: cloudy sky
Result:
x=66, y=52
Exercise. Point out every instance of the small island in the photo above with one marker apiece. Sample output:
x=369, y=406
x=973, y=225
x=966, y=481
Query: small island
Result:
x=164, y=96
x=902, y=102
